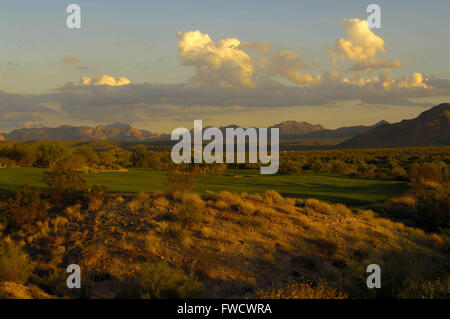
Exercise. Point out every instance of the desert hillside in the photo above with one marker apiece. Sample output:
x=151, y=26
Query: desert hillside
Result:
x=224, y=245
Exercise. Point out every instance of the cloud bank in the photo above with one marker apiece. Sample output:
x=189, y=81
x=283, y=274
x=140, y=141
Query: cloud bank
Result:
x=231, y=75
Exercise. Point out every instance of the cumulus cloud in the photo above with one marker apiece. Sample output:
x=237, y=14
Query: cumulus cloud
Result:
x=416, y=80
x=229, y=78
x=362, y=47
x=101, y=80
x=111, y=81
x=227, y=64
x=221, y=62
x=287, y=64
x=261, y=47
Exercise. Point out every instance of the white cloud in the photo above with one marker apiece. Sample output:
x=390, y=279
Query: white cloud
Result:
x=287, y=64
x=221, y=62
x=362, y=47
x=262, y=47
x=101, y=80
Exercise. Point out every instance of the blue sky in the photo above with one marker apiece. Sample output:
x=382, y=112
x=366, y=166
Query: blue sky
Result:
x=138, y=40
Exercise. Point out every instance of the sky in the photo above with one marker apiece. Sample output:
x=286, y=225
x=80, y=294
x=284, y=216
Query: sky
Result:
x=158, y=65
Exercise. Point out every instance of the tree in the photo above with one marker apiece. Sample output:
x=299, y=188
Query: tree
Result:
x=49, y=153
x=181, y=177
x=64, y=183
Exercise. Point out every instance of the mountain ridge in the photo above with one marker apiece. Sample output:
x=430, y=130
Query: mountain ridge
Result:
x=124, y=132
x=430, y=128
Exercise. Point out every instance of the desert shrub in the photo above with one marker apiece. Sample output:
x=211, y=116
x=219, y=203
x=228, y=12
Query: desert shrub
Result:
x=341, y=209
x=273, y=197
x=134, y=206
x=221, y=204
x=161, y=202
x=52, y=281
x=231, y=199
x=194, y=199
x=246, y=207
x=435, y=171
x=318, y=206
x=365, y=214
x=97, y=192
x=94, y=262
x=152, y=242
x=73, y=213
x=26, y=206
x=299, y=202
x=302, y=290
x=95, y=197
x=21, y=154
x=264, y=211
x=181, y=178
x=179, y=232
x=64, y=184
x=407, y=272
x=6, y=162
x=445, y=238
x=427, y=289
x=250, y=221
x=58, y=223
x=433, y=209
x=142, y=197
x=209, y=195
x=15, y=264
x=159, y=281
x=189, y=210
x=290, y=201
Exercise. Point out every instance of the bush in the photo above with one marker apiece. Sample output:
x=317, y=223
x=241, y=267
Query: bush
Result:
x=15, y=265
x=64, y=183
x=48, y=154
x=433, y=209
x=319, y=206
x=303, y=290
x=26, y=207
x=189, y=211
x=273, y=197
x=181, y=178
x=159, y=281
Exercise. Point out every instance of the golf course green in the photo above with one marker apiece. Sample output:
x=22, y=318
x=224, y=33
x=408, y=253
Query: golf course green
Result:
x=330, y=188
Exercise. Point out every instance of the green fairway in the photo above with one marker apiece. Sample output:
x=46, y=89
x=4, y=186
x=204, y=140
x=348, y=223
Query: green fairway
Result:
x=331, y=188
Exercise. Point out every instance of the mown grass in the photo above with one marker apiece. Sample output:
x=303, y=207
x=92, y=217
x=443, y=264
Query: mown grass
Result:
x=330, y=188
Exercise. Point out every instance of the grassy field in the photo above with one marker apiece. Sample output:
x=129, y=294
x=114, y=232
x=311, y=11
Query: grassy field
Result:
x=330, y=188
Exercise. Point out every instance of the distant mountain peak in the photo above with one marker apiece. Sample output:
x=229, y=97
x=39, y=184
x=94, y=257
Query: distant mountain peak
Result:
x=381, y=123
x=431, y=127
x=113, y=132
x=297, y=128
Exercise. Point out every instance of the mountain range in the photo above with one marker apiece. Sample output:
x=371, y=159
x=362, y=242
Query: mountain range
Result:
x=111, y=132
x=429, y=128
x=124, y=132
